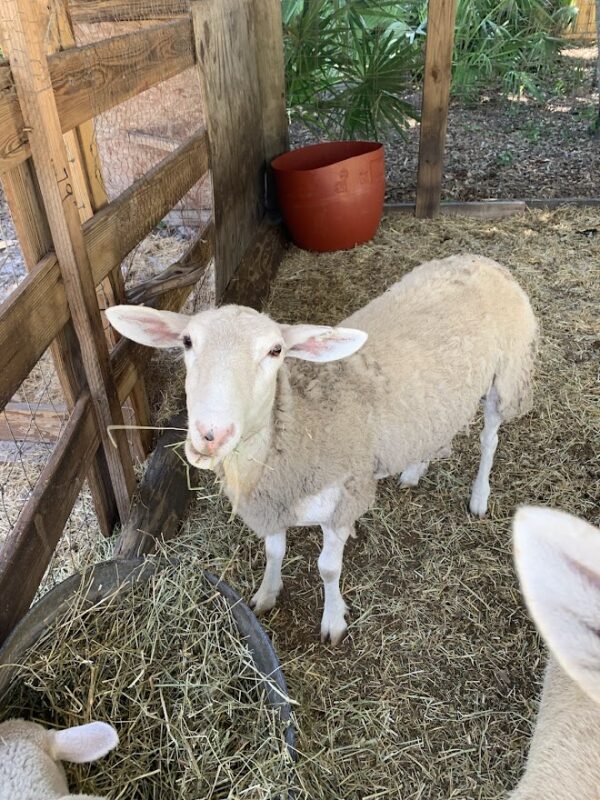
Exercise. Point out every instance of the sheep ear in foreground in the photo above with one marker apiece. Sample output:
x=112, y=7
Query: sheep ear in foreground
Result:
x=148, y=325
x=557, y=558
x=320, y=343
x=83, y=743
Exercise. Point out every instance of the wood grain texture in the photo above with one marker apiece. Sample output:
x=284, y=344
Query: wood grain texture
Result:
x=441, y=20
x=225, y=40
x=42, y=315
x=252, y=281
x=24, y=422
x=187, y=271
x=90, y=79
x=25, y=24
x=271, y=76
x=39, y=302
x=116, y=229
x=162, y=499
x=126, y=10
x=30, y=545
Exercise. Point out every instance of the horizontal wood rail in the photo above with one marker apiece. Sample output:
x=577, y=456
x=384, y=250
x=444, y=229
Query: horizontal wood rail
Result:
x=91, y=79
x=40, y=300
x=27, y=552
x=32, y=422
x=126, y=10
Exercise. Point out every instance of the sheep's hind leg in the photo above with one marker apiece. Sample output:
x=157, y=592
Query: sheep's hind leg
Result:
x=333, y=623
x=413, y=473
x=266, y=597
x=489, y=441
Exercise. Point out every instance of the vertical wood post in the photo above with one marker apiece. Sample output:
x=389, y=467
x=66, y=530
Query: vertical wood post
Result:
x=24, y=25
x=239, y=50
x=441, y=19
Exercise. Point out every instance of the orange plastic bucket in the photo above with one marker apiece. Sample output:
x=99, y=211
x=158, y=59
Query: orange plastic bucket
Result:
x=331, y=194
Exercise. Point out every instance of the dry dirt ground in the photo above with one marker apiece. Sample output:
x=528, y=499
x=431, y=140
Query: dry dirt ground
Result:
x=509, y=149
x=434, y=692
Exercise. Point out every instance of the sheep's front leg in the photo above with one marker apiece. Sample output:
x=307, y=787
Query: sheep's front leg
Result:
x=271, y=585
x=333, y=624
x=489, y=441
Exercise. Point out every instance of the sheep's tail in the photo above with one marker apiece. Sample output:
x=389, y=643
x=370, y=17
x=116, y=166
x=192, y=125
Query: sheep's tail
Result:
x=515, y=373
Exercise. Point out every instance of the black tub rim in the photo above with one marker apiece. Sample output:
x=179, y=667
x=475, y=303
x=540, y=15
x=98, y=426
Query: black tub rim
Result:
x=116, y=575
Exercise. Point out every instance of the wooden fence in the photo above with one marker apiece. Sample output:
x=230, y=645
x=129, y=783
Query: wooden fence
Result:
x=50, y=89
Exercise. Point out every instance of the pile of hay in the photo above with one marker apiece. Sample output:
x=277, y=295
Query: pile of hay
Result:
x=434, y=692
x=166, y=666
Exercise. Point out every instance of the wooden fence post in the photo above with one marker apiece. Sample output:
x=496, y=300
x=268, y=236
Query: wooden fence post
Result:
x=24, y=25
x=239, y=43
x=441, y=19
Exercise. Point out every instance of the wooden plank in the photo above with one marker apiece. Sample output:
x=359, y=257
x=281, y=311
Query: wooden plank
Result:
x=38, y=313
x=126, y=10
x=441, y=19
x=91, y=79
x=28, y=549
x=162, y=499
x=116, y=229
x=25, y=26
x=225, y=39
x=252, y=281
x=187, y=271
x=486, y=209
x=37, y=422
x=271, y=76
x=39, y=302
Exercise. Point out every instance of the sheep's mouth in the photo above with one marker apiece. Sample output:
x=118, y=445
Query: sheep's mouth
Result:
x=198, y=459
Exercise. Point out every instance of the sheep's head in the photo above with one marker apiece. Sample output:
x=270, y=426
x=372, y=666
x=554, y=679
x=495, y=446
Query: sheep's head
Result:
x=31, y=755
x=232, y=356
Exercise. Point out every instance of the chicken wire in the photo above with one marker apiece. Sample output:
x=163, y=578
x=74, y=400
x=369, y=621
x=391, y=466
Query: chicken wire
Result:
x=130, y=139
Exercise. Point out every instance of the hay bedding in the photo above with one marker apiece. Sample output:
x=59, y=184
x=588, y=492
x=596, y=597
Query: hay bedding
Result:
x=166, y=666
x=434, y=692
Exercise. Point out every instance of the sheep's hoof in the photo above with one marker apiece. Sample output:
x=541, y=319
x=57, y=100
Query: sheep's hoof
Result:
x=478, y=504
x=333, y=627
x=264, y=600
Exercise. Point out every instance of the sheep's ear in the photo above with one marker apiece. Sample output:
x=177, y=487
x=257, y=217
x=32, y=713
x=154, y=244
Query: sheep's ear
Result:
x=147, y=325
x=558, y=561
x=82, y=743
x=319, y=343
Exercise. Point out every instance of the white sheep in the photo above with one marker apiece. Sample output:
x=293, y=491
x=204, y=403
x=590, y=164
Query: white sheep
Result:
x=558, y=561
x=31, y=755
x=298, y=443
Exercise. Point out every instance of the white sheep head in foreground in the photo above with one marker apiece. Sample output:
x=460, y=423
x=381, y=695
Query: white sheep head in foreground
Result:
x=558, y=561
x=31, y=755
x=300, y=444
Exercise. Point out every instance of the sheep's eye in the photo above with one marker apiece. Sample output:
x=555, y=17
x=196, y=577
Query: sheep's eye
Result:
x=275, y=351
x=187, y=342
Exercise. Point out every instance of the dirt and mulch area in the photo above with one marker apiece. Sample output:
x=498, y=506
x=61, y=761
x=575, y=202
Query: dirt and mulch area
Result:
x=434, y=692
x=508, y=149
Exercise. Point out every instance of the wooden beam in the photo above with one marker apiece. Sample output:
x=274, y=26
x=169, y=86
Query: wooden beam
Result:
x=27, y=551
x=38, y=312
x=25, y=24
x=90, y=79
x=126, y=10
x=31, y=422
x=162, y=499
x=441, y=19
x=39, y=302
x=487, y=209
x=116, y=229
x=252, y=281
x=226, y=46
x=187, y=271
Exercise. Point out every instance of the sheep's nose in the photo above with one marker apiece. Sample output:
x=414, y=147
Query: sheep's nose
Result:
x=214, y=437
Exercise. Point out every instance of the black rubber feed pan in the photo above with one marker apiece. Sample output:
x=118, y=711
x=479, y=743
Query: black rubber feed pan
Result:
x=109, y=577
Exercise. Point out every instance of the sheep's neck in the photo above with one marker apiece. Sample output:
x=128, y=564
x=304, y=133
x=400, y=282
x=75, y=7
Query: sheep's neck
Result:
x=243, y=469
